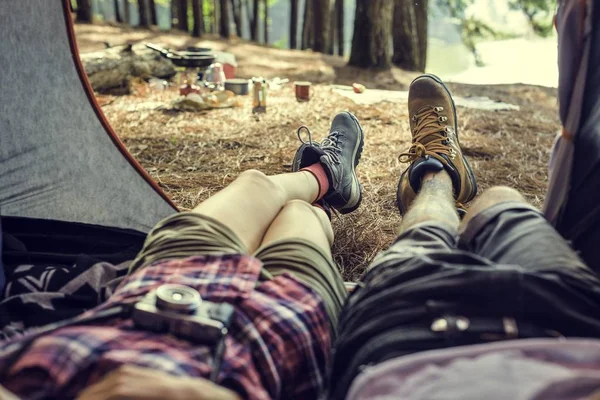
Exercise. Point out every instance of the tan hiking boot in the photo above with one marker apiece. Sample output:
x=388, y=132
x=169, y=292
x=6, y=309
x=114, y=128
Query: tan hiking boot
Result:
x=435, y=144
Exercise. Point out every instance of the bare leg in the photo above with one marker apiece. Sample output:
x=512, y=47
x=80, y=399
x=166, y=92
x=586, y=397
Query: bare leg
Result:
x=435, y=202
x=434, y=208
x=299, y=242
x=314, y=227
x=250, y=203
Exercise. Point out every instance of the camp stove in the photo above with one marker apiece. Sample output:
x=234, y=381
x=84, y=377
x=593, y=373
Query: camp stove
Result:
x=188, y=64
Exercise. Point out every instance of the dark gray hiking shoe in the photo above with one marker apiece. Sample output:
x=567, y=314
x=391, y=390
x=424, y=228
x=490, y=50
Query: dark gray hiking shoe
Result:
x=339, y=155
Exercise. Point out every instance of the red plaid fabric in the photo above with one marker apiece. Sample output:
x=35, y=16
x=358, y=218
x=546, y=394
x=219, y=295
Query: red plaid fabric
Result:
x=277, y=346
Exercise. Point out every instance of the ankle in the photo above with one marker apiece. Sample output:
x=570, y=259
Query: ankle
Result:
x=438, y=182
x=318, y=172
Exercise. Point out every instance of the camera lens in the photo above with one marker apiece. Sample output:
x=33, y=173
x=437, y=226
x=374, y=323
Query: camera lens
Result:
x=177, y=298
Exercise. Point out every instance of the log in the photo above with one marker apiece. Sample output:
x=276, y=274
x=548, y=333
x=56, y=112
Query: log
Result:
x=113, y=68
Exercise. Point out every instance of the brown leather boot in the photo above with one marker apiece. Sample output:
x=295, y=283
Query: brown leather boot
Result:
x=435, y=144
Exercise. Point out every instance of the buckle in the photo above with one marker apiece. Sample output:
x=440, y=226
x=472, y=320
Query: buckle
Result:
x=450, y=324
x=508, y=329
x=489, y=329
x=511, y=330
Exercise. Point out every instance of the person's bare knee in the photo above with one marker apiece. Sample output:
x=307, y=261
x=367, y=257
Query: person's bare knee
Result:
x=499, y=194
x=257, y=181
x=491, y=197
x=302, y=207
x=253, y=176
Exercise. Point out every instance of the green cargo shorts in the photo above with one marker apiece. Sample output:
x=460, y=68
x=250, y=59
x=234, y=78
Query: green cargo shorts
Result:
x=190, y=234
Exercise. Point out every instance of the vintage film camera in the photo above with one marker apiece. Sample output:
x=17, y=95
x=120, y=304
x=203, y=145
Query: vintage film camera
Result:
x=180, y=311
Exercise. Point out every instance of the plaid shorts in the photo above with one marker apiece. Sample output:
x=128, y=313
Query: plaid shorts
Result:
x=278, y=345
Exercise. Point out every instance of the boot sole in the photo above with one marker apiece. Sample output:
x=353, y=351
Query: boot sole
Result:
x=354, y=203
x=470, y=173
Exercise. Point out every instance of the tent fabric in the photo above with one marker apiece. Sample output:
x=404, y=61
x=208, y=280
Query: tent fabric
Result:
x=2, y=275
x=59, y=158
x=573, y=200
x=576, y=24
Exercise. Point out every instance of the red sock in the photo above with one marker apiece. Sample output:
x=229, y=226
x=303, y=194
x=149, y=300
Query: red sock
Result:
x=319, y=173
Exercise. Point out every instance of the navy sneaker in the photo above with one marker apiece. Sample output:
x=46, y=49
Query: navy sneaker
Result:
x=339, y=155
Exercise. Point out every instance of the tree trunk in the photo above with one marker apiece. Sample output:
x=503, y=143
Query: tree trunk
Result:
x=224, y=24
x=216, y=21
x=236, y=6
x=254, y=22
x=410, y=35
x=174, y=13
x=126, y=12
x=153, y=17
x=293, y=24
x=339, y=12
x=249, y=14
x=118, y=16
x=266, y=3
x=311, y=34
x=422, y=13
x=321, y=22
x=208, y=18
x=182, y=15
x=84, y=10
x=198, y=14
x=307, y=26
x=332, y=31
x=144, y=11
x=372, y=34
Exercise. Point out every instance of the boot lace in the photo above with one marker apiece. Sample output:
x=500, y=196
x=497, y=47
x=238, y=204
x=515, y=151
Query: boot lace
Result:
x=330, y=145
x=430, y=124
x=299, y=133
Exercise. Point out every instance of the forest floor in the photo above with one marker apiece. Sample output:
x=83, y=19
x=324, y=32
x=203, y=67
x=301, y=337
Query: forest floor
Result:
x=192, y=155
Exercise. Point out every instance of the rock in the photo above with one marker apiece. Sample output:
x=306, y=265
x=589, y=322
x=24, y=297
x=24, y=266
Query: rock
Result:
x=114, y=67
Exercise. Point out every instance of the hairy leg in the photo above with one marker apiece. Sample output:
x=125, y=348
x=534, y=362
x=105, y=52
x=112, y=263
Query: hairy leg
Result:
x=435, y=202
x=249, y=205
